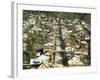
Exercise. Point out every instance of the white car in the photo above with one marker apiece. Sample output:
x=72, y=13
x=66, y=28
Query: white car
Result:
x=39, y=59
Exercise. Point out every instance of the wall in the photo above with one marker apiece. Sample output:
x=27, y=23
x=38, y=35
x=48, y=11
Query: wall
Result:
x=5, y=37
